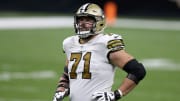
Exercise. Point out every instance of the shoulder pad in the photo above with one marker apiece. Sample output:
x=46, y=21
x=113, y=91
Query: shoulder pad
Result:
x=114, y=36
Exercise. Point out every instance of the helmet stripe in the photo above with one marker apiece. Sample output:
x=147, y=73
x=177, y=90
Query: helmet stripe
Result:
x=84, y=7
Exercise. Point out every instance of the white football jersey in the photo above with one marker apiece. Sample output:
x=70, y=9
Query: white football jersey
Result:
x=89, y=69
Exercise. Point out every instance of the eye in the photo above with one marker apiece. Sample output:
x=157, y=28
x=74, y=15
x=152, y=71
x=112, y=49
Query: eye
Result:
x=80, y=19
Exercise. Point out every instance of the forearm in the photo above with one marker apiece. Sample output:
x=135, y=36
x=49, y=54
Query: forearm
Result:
x=62, y=85
x=126, y=86
x=135, y=73
x=63, y=81
x=62, y=89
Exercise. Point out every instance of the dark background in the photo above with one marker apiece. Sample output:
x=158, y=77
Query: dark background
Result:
x=145, y=8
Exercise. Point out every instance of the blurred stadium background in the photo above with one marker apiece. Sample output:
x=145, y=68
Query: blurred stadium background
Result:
x=32, y=31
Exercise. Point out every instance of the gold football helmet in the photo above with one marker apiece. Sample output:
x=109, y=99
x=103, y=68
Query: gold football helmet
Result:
x=94, y=11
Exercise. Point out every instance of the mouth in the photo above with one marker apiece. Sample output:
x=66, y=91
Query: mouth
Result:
x=84, y=29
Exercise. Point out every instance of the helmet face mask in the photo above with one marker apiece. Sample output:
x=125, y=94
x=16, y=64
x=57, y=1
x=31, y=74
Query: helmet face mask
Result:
x=93, y=11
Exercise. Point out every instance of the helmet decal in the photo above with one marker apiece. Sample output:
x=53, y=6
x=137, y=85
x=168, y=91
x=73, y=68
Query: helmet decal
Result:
x=84, y=8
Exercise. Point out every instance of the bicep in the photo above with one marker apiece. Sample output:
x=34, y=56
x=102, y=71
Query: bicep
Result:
x=120, y=58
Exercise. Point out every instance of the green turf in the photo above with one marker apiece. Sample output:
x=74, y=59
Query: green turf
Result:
x=41, y=49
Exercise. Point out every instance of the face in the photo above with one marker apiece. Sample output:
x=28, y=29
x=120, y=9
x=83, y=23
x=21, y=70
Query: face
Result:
x=85, y=23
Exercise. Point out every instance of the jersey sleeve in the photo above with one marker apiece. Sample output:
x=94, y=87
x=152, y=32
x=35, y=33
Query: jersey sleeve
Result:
x=63, y=46
x=115, y=43
x=66, y=44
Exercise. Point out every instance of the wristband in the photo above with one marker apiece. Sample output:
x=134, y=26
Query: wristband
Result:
x=118, y=94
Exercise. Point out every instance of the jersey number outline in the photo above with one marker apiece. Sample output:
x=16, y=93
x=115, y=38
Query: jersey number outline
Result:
x=86, y=74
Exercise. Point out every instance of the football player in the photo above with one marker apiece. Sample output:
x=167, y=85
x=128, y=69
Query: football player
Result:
x=92, y=57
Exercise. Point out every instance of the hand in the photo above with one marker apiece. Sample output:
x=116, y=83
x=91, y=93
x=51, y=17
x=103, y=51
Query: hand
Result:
x=107, y=96
x=103, y=96
x=59, y=96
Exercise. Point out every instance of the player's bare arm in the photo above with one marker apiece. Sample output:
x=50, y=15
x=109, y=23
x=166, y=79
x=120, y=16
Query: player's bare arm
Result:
x=126, y=62
x=62, y=89
x=120, y=58
x=64, y=79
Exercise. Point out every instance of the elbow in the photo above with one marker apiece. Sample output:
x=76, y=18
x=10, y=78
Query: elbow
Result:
x=136, y=71
x=142, y=72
